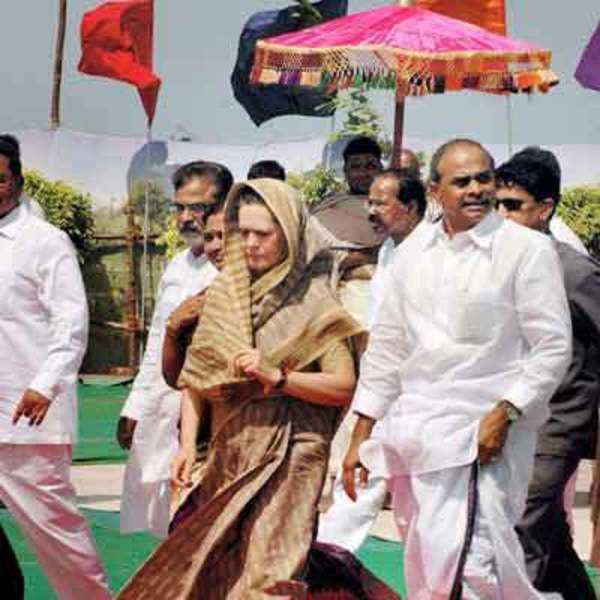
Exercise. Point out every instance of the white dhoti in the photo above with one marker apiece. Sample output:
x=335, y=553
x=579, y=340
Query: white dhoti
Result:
x=146, y=500
x=431, y=512
x=36, y=488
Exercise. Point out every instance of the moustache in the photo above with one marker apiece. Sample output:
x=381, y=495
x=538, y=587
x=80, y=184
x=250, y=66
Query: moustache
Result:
x=375, y=220
x=483, y=201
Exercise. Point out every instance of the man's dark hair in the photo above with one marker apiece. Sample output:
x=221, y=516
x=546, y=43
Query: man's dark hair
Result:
x=362, y=145
x=534, y=170
x=410, y=188
x=438, y=155
x=219, y=174
x=414, y=165
x=9, y=147
x=269, y=169
x=212, y=209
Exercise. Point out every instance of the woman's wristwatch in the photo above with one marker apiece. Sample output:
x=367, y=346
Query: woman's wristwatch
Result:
x=282, y=380
x=512, y=412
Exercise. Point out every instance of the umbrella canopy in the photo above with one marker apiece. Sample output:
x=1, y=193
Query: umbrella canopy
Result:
x=409, y=49
x=588, y=70
x=263, y=104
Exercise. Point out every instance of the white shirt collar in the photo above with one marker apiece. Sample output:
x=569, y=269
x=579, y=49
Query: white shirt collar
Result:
x=482, y=235
x=11, y=223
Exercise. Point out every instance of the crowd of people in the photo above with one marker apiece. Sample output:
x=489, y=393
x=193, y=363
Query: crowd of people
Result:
x=431, y=345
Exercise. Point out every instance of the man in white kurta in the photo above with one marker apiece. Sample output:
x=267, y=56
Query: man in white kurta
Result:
x=472, y=339
x=43, y=337
x=152, y=409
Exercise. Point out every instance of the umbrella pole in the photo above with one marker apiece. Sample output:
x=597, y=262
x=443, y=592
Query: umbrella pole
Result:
x=398, y=131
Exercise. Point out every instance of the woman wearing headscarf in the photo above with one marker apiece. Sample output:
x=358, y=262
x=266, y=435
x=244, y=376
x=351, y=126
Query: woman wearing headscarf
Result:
x=271, y=360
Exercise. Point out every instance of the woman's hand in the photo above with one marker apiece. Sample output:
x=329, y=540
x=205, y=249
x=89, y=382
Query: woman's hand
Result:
x=185, y=316
x=181, y=468
x=251, y=363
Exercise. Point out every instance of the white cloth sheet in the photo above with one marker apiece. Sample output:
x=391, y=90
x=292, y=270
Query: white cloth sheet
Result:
x=346, y=523
x=464, y=323
x=156, y=406
x=43, y=327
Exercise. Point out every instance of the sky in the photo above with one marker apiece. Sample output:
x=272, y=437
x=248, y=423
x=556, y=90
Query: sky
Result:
x=195, y=49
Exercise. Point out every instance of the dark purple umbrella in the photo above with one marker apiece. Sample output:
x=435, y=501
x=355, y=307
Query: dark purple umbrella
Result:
x=588, y=70
x=262, y=103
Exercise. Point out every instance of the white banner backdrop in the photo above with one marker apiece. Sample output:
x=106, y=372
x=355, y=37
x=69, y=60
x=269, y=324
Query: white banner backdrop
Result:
x=105, y=166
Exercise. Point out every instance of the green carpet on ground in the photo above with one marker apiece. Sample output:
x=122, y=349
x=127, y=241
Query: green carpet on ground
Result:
x=99, y=408
x=384, y=559
x=120, y=554
x=123, y=554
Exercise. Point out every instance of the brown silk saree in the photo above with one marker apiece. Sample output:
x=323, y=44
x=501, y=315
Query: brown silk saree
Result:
x=250, y=522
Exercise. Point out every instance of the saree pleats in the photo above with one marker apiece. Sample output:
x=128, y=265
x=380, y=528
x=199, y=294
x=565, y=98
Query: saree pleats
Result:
x=250, y=522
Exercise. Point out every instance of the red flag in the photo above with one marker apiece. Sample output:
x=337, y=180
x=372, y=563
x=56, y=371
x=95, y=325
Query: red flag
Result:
x=116, y=42
x=489, y=14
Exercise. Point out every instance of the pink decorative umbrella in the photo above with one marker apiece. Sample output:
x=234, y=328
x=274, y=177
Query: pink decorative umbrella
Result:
x=408, y=49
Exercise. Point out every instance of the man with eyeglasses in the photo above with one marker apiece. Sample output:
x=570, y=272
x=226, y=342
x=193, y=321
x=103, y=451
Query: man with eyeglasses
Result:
x=148, y=423
x=528, y=193
x=470, y=342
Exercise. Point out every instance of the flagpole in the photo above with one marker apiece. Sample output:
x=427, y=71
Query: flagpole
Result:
x=398, y=131
x=509, y=121
x=144, y=269
x=59, y=50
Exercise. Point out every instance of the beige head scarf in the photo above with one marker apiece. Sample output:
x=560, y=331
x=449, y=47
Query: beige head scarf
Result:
x=290, y=313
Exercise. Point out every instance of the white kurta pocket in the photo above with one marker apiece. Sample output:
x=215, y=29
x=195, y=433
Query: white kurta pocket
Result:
x=475, y=321
x=477, y=317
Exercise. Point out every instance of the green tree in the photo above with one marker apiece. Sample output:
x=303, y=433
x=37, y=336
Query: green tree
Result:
x=307, y=13
x=360, y=118
x=316, y=183
x=64, y=207
x=158, y=204
x=580, y=209
x=170, y=240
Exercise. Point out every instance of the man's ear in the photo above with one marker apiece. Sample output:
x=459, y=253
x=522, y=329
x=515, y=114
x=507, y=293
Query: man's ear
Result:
x=548, y=210
x=433, y=189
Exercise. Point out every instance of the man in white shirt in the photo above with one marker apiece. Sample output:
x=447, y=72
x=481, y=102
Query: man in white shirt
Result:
x=472, y=339
x=397, y=204
x=43, y=335
x=150, y=416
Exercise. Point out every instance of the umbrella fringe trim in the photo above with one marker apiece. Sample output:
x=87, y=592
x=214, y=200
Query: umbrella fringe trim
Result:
x=413, y=74
x=415, y=84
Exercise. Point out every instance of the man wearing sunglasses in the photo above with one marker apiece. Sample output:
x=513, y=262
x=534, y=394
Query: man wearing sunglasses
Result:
x=528, y=192
x=148, y=423
x=472, y=338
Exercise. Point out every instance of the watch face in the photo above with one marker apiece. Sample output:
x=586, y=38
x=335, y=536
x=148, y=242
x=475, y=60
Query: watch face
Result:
x=513, y=414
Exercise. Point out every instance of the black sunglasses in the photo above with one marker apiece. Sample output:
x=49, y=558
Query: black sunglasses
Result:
x=510, y=204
